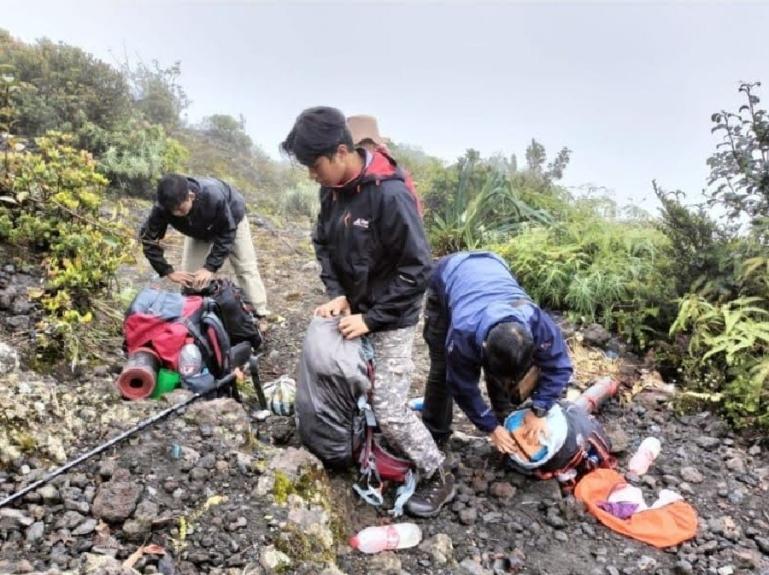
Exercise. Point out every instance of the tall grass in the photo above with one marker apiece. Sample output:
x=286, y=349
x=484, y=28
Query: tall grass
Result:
x=612, y=272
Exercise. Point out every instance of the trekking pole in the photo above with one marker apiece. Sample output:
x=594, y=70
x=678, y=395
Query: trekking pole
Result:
x=96, y=450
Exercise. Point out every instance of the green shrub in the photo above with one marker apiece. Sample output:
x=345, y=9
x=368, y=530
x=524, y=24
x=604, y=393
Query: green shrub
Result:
x=613, y=272
x=52, y=196
x=476, y=217
x=730, y=339
x=302, y=200
x=139, y=155
x=63, y=88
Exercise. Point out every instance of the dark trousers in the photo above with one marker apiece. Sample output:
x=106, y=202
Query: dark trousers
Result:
x=437, y=412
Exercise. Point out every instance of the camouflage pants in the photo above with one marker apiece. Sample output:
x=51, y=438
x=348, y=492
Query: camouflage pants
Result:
x=400, y=426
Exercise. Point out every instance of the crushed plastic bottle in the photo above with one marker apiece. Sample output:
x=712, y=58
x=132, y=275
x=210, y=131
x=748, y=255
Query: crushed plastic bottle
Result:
x=644, y=456
x=190, y=360
x=383, y=537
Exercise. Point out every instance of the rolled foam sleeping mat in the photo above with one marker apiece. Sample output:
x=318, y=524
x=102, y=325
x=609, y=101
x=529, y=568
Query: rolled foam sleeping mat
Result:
x=139, y=376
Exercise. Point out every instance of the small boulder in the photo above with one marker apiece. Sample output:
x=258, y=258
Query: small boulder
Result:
x=117, y=498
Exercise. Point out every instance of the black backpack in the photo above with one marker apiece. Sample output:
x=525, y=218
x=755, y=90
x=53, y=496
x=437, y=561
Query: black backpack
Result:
x=226, y=301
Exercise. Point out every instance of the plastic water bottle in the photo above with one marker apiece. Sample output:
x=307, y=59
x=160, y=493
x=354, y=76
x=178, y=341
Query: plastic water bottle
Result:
x=592, y=398
x=384, y=537
x=190, y=360
x=644, y=456
x=417, y=404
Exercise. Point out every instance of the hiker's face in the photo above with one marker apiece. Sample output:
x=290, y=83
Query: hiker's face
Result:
x=184, y=208
x=330, y=171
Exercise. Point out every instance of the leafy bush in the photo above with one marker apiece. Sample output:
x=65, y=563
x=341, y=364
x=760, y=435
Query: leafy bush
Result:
x=702, y=249
x=739, y=170
x=475, y=217
x=724, y=310
x=138, y=156
x=301, y=200
x=729, y=339
x=63, y=88
x=613, y=272
x=156, y=92
x=52, y=197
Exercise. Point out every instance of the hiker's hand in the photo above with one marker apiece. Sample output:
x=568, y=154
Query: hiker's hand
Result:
x=181, y=278
x=502, y=440
x=337, y=306
x=534, y=428
x=353, y=326
x=202, y=278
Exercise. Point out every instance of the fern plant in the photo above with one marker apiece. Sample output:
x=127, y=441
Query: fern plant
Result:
x=734, y=337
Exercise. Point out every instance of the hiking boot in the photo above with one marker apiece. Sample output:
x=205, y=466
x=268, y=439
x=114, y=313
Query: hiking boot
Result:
x=430, y=497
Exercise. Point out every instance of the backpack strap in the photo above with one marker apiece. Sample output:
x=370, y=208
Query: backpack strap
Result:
x=217, y=336
x=191, y=323
x=371, y=482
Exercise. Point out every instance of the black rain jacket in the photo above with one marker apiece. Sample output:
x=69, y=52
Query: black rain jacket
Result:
x=371, y=246
x=216, y=212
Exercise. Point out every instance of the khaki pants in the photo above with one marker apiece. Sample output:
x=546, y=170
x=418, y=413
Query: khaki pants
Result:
x=242, y=261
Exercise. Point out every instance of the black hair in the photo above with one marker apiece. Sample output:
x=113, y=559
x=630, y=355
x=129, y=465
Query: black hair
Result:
x=173, y=189
x=317, y=132
x=508, y=350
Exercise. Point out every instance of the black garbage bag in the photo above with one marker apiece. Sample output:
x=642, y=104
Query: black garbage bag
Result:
x=332, y=375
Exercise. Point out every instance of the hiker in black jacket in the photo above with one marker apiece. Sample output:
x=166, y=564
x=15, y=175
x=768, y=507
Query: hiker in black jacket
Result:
x=211, y=214
x=375, y=263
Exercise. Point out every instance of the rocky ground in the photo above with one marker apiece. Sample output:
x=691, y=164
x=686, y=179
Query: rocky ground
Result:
x=214, y=491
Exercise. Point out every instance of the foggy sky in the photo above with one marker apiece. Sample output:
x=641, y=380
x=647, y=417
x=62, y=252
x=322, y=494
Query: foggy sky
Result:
x=629, y=87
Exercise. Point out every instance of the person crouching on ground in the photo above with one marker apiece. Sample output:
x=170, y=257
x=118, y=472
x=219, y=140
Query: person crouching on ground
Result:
x=375, y=263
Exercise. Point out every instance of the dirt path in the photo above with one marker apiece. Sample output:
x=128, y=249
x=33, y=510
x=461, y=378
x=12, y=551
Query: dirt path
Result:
x=221, y=474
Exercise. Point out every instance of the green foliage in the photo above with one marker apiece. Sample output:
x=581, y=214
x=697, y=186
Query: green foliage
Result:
x=489, y=213
x=301, y=201
x=614, y=272
x=52, y=197
x=702, y=250
x=739, y=176
x=228, y=132
x=156, y=92
x=138, y=156
x=730, y=338
x=63, y=88
x=723, y=271
x=536, y=158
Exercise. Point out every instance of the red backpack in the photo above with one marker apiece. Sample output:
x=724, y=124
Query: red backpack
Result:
x=164, y=322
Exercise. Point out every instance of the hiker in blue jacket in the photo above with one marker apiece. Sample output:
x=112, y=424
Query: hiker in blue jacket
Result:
x=477, y=317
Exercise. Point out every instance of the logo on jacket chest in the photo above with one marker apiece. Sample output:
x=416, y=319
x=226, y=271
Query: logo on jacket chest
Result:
x=357, y=222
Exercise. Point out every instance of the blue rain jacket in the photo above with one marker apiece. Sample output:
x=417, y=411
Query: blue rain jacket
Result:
x=478, y=292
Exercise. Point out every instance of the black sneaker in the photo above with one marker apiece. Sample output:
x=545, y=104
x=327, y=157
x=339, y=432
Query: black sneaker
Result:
x=430, y=498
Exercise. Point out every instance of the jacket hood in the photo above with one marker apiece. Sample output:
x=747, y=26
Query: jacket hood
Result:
x=381, y=168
